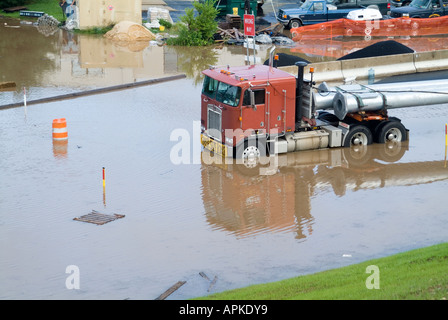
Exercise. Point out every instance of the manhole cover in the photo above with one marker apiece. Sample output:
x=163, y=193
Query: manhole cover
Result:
x=99, y=218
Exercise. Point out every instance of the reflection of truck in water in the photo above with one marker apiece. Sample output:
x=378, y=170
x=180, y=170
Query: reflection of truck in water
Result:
x=422, y=9
x=251, y=111
x=244, y=203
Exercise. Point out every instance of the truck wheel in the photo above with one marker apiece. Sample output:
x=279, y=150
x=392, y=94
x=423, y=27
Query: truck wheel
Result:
x=294, y=24
x=250, y=152
x=358, y=135
x=390, y=131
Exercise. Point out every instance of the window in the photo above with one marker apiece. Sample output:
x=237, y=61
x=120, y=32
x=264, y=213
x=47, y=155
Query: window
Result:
x=419, y=4
x=259, y=97
x=209, y=87
x=228, y=94
x=221, y=91
x=317, y=6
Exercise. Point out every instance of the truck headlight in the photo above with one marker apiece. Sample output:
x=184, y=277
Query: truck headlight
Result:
x=229, y=141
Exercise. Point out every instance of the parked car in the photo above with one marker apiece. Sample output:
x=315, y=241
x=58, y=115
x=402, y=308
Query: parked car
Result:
x=318, y=11
x=422, y=9
x=309, y=12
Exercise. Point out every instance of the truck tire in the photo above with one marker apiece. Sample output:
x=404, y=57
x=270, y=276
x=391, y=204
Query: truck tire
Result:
x=390, y=131
x=250, y=152
x=294, y=23
x=358, y=135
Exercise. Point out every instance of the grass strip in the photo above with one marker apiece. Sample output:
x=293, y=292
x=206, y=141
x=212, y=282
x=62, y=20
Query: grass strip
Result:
x=420, y=274
x=50, y=7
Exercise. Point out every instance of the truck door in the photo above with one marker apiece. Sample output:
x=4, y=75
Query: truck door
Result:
x=254, y=116
x=317, y=13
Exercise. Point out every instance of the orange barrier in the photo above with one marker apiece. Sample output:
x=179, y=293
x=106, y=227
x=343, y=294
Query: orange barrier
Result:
x=398, y=27
x=337, y=48
x=60, y=129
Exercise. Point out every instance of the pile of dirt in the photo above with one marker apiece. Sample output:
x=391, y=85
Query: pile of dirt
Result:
x=129, y=31
x=285, y=60
x=382, y=48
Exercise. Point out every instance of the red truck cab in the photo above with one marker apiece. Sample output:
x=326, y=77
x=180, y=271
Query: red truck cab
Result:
x=238, y=103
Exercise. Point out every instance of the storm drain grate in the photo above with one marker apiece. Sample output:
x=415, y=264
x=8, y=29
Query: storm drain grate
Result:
x=99, y=218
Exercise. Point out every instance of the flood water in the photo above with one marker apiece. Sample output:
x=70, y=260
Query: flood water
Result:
x=317, y=210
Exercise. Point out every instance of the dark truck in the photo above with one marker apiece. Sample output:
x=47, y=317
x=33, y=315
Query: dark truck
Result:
x=309, y=12
x=422, y=9
x=318, y=11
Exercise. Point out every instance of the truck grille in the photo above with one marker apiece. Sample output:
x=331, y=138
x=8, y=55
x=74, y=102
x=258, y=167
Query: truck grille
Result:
x=214, y=116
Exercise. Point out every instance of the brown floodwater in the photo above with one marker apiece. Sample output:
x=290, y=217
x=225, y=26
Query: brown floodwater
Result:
x=315, y=211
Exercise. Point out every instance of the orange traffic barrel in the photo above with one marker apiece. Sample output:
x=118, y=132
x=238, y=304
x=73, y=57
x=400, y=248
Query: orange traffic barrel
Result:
x=60, y=129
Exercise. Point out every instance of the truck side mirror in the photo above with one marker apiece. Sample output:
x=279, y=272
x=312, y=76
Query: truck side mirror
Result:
x=252, y=99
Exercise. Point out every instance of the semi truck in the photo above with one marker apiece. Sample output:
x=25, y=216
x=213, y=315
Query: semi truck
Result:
x=248, y=112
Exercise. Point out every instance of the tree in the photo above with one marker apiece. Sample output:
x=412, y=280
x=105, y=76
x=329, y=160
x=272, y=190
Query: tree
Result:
x=199, y=29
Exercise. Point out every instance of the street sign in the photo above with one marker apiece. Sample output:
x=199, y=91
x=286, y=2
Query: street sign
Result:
x=250, y=43
x=249, y=25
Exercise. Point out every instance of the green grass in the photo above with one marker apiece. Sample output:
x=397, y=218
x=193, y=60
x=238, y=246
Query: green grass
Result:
x=95, y=30
x=420, y=274
x=50, y=7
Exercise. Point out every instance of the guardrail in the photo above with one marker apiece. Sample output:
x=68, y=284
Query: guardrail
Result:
x=382, y=66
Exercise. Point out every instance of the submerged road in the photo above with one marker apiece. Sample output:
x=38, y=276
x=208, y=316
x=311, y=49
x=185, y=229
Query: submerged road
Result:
x=184, y=216
x=321, y=210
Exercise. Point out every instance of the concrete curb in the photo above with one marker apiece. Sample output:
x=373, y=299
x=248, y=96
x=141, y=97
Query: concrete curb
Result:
x=94, y=91
x=382, y=66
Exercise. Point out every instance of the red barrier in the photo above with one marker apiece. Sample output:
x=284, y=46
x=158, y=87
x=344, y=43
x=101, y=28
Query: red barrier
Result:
x=375, y=28
x=337, y=48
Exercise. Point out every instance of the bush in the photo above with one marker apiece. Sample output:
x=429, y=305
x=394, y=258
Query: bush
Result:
x=12, y=3
x=165, y=23
x=197, y=30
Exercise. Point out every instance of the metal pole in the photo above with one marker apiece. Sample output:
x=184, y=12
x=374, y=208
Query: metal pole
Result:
x=254, y=50
x=247, y=49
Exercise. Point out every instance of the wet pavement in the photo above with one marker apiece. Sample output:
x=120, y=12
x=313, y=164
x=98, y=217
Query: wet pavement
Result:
x=320, y=210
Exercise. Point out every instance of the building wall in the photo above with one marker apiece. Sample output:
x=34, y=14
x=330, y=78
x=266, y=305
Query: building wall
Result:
x=100, y=13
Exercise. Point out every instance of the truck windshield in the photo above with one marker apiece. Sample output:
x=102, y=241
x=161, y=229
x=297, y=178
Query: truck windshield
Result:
x=221, y=92
x=419, y=4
